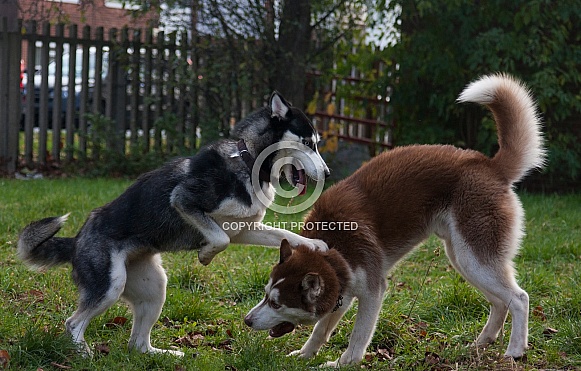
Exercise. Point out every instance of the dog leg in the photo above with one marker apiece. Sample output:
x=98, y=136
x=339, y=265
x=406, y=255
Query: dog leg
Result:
x=497, y=317
x=367, y=315
x=88, y=306
x=505, y=295
x=216, y=240
x=264, y=235
x=322, y=331
x=498, y=284
x=145, y=294
x=498, y=311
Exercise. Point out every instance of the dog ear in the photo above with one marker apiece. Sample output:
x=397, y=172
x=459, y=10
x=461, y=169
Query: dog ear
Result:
x=312, y=286
x=285, y=251
x=279, y=107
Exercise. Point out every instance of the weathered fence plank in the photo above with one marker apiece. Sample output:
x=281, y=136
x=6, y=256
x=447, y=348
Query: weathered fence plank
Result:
x=43, y=95
x=84, y=95
x=57, y=94
x=29, y=117
x=10, y=50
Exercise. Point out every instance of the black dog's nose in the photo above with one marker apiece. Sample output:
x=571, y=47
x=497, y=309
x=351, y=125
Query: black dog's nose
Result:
x=248, y=321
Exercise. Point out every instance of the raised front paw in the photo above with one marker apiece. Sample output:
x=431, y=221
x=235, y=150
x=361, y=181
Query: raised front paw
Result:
x=319, y=245
x=212, y=246
x=205, y=256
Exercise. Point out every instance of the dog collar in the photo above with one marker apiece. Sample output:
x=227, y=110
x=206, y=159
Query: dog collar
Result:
x=339, y=303
x=249, y=161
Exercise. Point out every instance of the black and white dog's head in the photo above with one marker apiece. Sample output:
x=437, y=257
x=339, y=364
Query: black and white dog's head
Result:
x=288, y=138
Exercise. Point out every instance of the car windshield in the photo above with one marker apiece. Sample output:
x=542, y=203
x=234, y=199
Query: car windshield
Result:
x=78, y=65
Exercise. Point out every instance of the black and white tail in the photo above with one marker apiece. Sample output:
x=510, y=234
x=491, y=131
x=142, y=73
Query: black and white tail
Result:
x=38, y=247
x=517, y=121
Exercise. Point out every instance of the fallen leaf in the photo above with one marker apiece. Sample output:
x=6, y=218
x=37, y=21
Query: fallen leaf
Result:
x=116, y=322
x=431, y=358
x=190, y=340
x=36, y=296
x=210, y=332
x=225, y=345
x=383, y=354
x=539, y=313
x=62, y=367
x=4, y=359
x=102, y=348
x=549, y=332
x=169, y=323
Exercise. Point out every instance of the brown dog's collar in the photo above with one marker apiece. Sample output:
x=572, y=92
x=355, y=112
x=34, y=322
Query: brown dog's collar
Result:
x=249, y=161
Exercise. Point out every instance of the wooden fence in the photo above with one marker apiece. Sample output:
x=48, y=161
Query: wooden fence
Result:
x=343, y=111
x=87, y=94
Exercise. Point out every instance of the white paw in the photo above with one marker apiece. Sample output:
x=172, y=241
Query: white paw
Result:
x=318, y=245
x=205, y=257
x=84, y=350
x=176, y=353
x=301, y=353
x=514, y=354
x=210, y=249
x=331, y=364
x=295, y=353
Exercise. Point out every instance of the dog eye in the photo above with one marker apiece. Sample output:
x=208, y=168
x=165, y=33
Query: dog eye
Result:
x=273, y=305
x=307, y=143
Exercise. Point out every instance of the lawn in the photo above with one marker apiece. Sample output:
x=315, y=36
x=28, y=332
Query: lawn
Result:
x=429, y=317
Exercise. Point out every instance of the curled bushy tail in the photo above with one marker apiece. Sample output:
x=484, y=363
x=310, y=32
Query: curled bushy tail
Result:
x=517, y=121
x=38, y=248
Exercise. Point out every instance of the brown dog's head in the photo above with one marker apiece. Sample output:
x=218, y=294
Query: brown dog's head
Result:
x=302, y=288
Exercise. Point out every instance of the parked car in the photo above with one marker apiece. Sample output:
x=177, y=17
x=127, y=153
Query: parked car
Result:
x=65, y=94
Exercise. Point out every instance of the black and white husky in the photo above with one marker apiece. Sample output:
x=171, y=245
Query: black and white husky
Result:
x=183, y=205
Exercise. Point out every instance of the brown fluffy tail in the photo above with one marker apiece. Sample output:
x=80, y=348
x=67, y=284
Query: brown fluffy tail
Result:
x=517, y=122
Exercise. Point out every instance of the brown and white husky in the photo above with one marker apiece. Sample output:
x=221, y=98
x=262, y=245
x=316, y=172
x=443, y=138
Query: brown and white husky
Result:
x=396, y=201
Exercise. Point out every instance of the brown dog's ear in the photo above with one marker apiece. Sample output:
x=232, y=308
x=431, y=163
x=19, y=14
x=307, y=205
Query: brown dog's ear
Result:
x=285, y=251
x=312, y=286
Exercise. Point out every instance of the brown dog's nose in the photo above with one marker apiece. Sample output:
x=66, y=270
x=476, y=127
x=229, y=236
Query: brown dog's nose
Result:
x=248, y=321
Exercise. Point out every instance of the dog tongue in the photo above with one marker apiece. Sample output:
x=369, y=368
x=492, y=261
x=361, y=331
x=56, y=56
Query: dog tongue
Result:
x=302, y=181
x=281, y=329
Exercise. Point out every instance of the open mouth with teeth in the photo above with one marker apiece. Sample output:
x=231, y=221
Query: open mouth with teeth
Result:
x=299, y=180
x=281, y=329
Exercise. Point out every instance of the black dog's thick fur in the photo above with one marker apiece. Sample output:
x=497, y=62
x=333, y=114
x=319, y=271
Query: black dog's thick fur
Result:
x=180, y=206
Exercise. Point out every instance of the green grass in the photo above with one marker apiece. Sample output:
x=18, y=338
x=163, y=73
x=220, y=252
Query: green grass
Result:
x=428, y=309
